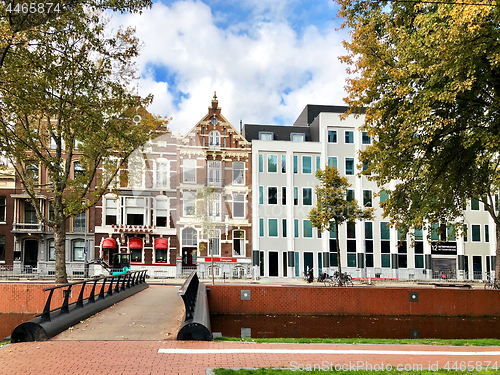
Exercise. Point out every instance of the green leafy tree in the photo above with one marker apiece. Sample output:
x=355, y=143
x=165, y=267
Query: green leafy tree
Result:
x=428, y=76
x=332, y=206
x=66, y=97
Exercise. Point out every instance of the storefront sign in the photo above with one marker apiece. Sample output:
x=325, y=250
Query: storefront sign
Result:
x=444, y=248
x=221, y=260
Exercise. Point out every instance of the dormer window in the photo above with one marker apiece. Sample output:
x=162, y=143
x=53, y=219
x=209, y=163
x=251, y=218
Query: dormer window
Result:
x=297, y=137
x=266, y=136
x=214, y=138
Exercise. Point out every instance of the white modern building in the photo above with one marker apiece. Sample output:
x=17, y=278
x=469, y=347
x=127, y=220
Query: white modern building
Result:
x=284, y=162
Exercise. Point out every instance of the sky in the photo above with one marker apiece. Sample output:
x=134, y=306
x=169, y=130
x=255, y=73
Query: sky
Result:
x=266, y=59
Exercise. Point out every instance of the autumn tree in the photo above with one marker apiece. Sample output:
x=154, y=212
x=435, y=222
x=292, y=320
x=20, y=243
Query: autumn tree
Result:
x=333, y=207
x=68, y=107
x=428, y=76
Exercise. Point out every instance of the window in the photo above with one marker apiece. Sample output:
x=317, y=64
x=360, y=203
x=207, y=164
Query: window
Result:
x=78, y=170
x=307, y=196
x=283, y=195
x=214, y=138
x=367, y=198
x=79, y=223
x=318, y=163
x=297, y=137
x=283, y=163
x=238, y=173
x=332, y=162
x=419, y=261
x=296, y=227
x=261, y=194
x=486, y=233
x=135, y=171
x=435, y=232
x=349, y=136
x=295, y=164
x=476, y=233
x=351, y=195
x=351, y=260
x=78, y=250
x=419, y=236
x=110, y=165
x=53, y=144
x=295, y=196
x=266, y=136
x=368, y=230
x=451, y=233
x=474, y=204
x=272, y=195
x=349, y=166
x=111, y=211
x=162, y=174
x=308, y=229
x=238, y=243
x=385, y=233
x=214, y=206
x=239, y=205
x=32, y=171
x=2, y=248
x=351, y=229
x=272, y=163
x=189, y=237
x=29, y=213
x=383, y=196
x=189, y=203
x=134, y=210
x=261, y=227
x=189, y=171
x=52, y=250
x=332, y=136
x=273, y=227
x=214, y=176
x=214, y=245
x=284, y=227
x=306, y=164
x=161, y=212
x=261, y=163
x=365, y=138
x=2, y=210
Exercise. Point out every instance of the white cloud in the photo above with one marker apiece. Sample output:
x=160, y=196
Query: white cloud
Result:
x=261, y=69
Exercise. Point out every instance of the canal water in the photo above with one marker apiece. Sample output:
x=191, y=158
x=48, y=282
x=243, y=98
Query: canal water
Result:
x=388, y=327
x=10, y=321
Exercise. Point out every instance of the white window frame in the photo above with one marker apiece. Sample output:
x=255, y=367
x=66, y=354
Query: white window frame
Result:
x=266, y=136
x=267, y=164
x=242, y=202
x=189, y=165
x=159, y=201
x=353, y=166
x=73, y=248
x=239, y=170
x=217, y=248
x=188, y=197
x=130, y=206
x=242, y=244
x=345, y=136
x=110, y=207
x=297, y=137
x=214, y=138
x=162, y=173
x=269, y=228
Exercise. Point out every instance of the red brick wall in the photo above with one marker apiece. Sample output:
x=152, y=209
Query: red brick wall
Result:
x=226, y=299
x=29, y=298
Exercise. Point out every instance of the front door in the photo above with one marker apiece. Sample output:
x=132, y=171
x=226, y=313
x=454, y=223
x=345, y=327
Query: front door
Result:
x=31, y=253
x=187, y=256
x=273, y=264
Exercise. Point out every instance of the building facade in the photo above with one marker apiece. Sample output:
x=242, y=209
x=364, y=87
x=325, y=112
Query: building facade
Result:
x=285, y=159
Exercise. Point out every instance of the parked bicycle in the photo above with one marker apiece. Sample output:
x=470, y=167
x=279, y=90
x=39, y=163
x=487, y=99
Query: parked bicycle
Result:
x=338, y=280
x=492, y=284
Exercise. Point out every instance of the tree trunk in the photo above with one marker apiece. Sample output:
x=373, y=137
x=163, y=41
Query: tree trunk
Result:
x=60, y=250
x=338, y=252
x=497, y=252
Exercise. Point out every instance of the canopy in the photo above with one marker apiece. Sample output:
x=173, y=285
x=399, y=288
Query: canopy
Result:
x=135, y=243
x=161, y=243
x=109, y=243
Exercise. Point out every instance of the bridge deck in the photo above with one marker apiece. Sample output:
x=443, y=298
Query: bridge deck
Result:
x=153, y=314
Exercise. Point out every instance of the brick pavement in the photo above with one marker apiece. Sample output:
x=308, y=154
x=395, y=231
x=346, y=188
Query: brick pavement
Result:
x=142, y=357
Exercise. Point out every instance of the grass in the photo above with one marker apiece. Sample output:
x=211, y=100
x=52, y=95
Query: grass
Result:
x=461, y=342
x=270, y=371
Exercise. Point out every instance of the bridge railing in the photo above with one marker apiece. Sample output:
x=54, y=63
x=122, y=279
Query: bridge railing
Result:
x=105, y=291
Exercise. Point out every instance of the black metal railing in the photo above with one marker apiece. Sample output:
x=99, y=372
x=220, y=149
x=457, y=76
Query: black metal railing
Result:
x=189, y=293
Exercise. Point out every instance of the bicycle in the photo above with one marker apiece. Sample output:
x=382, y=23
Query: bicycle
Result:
x=492, y=284
x=342, y=280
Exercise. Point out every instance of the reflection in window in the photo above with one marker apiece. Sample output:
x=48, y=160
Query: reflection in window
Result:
x=189, y=170
x=238, y=173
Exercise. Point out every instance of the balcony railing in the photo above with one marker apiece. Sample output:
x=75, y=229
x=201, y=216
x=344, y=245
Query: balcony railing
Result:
x=215, y=182
x=27, y=227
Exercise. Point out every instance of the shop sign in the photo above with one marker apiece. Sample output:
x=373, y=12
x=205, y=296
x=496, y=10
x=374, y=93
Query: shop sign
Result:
x=221, y=260
x=444, y=248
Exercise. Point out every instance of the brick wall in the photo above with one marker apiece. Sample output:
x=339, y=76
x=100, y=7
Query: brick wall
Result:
x=30, y=298
x=226, y=299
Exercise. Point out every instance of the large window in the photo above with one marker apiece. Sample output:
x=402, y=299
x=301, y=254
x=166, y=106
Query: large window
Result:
x=214, y=174
x=332, y=136
x=29, y=213
x=476, y=233
x=189, y=203
x=2, y=210
x=78, y=250
x=306, y=164
x=161, y=212
x=272, y=163
x=135, y=171
x=238, y=173
x=273, y=227
x=162, y=174
x=474, y=204
x=32, y=171
x=189, y=237
x=239, y=205
x=111, y=211
x=214, y=245
x=214, y=138
x=189, y=172
x=307, y=196
x=238, y=243
x=214, y=206
x=135, y=210
x=385, y=233
x=349, y=136
x=80, y=223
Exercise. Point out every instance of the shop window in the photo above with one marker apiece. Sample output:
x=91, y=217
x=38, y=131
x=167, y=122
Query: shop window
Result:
x=161, y=255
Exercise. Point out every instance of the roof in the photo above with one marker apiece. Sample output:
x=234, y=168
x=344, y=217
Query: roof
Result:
x=311, y=111
x=280, y=132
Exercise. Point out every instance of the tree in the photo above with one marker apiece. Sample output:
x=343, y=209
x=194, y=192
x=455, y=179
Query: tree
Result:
x=333, y=207
x=66, y=98
x=209, y=216
x=428, y=76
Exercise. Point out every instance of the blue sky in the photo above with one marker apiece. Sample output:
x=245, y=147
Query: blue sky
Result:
x=265, y=59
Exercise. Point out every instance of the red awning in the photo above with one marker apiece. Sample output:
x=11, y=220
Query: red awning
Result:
x=135, y=243
x=109, y=243
x=161, y=243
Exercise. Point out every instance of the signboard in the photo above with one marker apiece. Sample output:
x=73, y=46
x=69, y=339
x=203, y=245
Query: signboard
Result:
x=221, y=260
x=444, y=248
